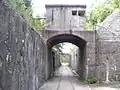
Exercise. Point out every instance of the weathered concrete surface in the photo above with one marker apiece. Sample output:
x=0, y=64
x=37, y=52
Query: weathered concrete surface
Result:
x=55, y=59
x=101, y=51
x=22, y=53
x=86, y=51
x=26, y=58
x=66, y=27
x=60, y=17
x=64, y=79
x=108, y=48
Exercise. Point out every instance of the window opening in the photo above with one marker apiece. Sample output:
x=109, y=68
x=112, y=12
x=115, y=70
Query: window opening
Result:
x=74, y=12
x=81, y=13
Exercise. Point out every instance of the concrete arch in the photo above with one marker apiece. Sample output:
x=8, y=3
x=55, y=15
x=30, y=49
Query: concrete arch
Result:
x=60, y=38
x=66, y=38
x=88, y=36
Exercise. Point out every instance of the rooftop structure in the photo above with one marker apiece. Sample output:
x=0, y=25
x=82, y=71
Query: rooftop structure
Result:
x=66, y=17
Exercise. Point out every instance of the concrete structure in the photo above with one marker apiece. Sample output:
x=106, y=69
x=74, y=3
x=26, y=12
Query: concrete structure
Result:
x=66, y=17
x=56, y=59
x=67, y=24
x=98, y=50
x=74, y=58
x=108, y=48
x=22, y=53
x=26, y=58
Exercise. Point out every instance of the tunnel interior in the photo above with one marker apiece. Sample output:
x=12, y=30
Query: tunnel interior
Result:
x=79, y=42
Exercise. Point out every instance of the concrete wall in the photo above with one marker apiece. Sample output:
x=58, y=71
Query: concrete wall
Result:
x=90, y=55
x=22, y=53
x=57, y=60
x=88, y=52
x=60, y=17
x=74, y=58
x=61, y=22
x=52, y=61
x=108, y=48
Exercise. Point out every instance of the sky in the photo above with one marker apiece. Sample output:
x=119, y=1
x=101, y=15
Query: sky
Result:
x=39, y=5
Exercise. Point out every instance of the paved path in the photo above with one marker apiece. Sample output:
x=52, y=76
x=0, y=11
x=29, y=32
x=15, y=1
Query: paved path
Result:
x=65, y=80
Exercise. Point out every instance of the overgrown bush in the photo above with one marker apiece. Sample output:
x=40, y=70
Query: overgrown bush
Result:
x=90, y=80
x=24, y=8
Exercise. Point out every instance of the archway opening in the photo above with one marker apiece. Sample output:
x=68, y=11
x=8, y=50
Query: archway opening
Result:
x=80, y=53
x=65, y=54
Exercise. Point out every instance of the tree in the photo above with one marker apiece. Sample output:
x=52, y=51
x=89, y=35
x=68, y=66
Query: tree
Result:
x=99, y=13
x=115, y=4
x=24, y=8
x=38, y=23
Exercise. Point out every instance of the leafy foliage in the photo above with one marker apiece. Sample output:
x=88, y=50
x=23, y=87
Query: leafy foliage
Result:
x=99, y=13
x=90, y=80
x=38, y=23
x=115, y=4
x=24, y=8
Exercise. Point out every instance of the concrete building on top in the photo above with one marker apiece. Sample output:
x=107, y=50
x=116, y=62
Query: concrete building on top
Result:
x=66, y=17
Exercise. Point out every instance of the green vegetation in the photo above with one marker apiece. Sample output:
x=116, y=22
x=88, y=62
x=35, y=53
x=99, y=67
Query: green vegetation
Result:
x=95, y=16
x=100, y=12
x=24, y=8
x=89, y=80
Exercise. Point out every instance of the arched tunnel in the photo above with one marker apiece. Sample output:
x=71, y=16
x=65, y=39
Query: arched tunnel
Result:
x=79, y=42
